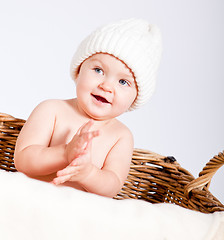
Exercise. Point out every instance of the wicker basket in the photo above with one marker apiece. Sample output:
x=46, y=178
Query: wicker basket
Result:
x=152, y=177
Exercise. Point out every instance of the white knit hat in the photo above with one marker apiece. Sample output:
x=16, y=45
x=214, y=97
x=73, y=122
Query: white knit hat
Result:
x=135, y=42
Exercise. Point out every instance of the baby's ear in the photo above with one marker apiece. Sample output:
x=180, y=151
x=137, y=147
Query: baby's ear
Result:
x=77, y=73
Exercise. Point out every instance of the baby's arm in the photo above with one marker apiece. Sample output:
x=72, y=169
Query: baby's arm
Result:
x=106, y=181
x=33, y=156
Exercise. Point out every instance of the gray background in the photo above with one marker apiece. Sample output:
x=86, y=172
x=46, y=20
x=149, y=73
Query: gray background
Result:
x=185, y=116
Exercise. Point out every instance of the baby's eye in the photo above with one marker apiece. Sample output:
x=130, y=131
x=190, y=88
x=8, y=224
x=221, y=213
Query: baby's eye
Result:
x=123, y=82
x=98, y=70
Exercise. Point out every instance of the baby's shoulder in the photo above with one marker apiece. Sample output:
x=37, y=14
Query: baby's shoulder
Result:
x=50, y=108
x=52, y=104
x=121, y=130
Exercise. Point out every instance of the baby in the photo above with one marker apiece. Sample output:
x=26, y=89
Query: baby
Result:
x=79, y=142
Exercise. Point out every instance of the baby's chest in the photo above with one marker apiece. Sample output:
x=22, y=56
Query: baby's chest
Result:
x=101, y=145
x=100, y=150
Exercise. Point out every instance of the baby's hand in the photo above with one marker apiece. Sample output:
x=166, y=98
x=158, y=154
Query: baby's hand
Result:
x=77, y=170
x=79, y=143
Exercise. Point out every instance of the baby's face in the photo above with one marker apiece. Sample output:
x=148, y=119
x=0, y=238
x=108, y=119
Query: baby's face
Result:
x=105, y=87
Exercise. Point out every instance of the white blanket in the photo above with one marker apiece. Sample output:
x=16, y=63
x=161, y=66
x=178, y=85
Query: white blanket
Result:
x=30, y=209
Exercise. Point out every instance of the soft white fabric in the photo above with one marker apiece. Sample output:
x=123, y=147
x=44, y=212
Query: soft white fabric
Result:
x=30, y=209
x=135, y=42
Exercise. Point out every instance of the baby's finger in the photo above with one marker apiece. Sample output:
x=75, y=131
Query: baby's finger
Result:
x=86, y=126
x=84, y=138
x=64, y=171
x=68, y=170
x=78, y=161
x=88, y=146
x=90, y=135
x=62, y=179
x=79, y=130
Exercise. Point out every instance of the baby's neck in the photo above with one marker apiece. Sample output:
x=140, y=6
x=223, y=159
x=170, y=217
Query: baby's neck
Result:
x=98, y=124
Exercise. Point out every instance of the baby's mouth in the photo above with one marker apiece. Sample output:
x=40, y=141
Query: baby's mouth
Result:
x=100, y=99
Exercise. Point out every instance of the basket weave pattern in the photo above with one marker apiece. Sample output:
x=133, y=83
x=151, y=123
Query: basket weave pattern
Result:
x=152, y=177
x=9, y=131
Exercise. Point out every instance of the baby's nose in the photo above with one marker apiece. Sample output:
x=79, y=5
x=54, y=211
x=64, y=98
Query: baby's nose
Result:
x=107, y=85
